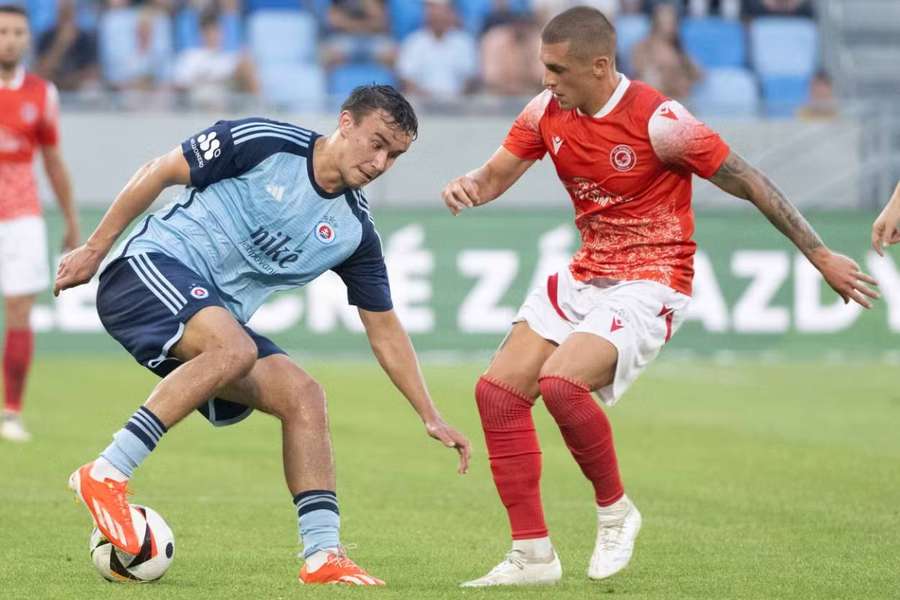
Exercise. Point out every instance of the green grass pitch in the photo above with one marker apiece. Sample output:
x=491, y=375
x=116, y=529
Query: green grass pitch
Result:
x=755, y=481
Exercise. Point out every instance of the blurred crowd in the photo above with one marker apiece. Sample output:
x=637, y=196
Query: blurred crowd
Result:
x=295, y=54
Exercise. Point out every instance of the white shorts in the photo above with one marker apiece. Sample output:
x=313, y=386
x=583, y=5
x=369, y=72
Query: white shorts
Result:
x=24, y=268
x=637, y=317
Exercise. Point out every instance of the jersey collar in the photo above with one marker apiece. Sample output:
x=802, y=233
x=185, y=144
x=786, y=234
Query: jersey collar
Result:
x=613, y=101
x=16, y=82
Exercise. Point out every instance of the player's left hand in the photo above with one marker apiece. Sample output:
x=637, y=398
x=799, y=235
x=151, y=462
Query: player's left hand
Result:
x=844, y=276
x=451, y=438
x=885, y=230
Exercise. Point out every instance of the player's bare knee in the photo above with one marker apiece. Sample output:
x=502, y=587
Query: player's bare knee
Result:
x=307, y=404
x=236, y=358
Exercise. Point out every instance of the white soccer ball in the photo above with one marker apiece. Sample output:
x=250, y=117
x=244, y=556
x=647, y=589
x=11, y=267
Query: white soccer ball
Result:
x=151, y=563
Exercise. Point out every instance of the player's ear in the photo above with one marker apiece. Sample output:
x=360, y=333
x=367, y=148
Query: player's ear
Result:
x=345, y=122
x=601, y=66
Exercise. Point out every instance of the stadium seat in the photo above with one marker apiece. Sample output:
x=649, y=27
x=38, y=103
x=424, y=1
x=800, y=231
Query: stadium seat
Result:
x=41, y=14
x=784, y=94
x=630, y=29
x=714, y=43
x=406, y=16
x=344, y=78
x=784, y=46
x=731, y=92
x=293, y=87
x=255, y=5
x=282, y=37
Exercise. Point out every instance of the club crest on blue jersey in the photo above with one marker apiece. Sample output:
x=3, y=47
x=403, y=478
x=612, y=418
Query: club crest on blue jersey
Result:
x=199, y=292
x=325, y=232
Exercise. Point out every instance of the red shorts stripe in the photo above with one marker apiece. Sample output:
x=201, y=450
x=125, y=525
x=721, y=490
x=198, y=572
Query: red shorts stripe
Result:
x=553, y=293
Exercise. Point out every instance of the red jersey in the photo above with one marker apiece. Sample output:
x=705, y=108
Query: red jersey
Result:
x=628, y=171
x=28, y=119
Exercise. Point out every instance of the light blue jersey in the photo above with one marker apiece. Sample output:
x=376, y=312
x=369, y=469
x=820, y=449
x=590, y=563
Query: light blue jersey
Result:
x=254, y=221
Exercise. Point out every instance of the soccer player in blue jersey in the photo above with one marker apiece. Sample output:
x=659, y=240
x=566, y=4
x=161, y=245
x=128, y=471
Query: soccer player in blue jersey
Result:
x=267, y=206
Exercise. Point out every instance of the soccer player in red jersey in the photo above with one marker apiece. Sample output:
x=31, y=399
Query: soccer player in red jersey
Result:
x=28, y=120
x=626, y=154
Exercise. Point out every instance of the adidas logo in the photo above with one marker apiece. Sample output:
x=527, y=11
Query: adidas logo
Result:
x=276, y=191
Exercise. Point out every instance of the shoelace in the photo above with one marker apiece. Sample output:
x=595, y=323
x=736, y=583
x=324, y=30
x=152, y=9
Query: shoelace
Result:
x=342, y=560
x=513, y=557
x=611, y=535
x=122, y=498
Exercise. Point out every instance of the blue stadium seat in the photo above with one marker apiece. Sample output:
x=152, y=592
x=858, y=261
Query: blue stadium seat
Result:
x=344, y=78
x=293, y=86
x=784, y=94
x=255, y=5
x=630, y=29
x=41, y=14
x=784, y=46
x=714, y=42
x=731, y=92
x=406, y=16
x=282, y=36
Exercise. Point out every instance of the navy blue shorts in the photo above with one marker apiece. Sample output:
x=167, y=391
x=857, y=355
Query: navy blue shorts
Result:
x=144, y=302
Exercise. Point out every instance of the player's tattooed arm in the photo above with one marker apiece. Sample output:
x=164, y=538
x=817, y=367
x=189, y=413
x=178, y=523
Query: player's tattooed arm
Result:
x=739, y=178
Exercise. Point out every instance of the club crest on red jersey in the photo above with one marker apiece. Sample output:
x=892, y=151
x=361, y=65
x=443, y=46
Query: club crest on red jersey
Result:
x=29, y=113
x=622, y=158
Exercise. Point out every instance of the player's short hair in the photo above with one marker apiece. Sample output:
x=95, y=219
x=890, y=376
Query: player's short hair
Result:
x=587, y=30
x=369, y=98
x=13, y=9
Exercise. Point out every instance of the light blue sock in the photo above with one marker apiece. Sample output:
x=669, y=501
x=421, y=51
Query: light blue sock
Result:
x=134, y=442
x=319, y=520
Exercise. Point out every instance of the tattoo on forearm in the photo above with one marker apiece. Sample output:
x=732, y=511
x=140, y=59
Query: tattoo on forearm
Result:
x=739, y=178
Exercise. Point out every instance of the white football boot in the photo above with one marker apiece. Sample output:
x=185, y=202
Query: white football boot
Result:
x=518, y=568
x=13, y=430
x=617, y=528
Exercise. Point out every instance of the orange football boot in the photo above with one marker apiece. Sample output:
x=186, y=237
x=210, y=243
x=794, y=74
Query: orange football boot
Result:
x=108, y=504
x=338, y=569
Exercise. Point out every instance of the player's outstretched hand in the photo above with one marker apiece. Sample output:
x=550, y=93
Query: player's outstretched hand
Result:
x=451, y=438
x=76, y=267
x=845, y=277
x=885, y=231
x=460, y=194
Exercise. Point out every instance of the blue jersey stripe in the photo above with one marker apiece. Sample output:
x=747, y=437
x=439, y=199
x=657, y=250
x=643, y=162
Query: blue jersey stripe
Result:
x=271, y=134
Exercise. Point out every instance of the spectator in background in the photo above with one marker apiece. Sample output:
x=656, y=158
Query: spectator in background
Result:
x=67, y=55
x=778, y=8
x=439, y=61
x=660, y=60
x=509, y=58
x=208, y=75
x=822, y=104
x=545, y=10
x=135, y=47
x=359, y=32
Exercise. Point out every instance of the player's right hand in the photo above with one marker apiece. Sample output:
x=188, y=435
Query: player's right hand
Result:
x=460, y=194
x=885, y=230
x=844, y=276
x=76, y=267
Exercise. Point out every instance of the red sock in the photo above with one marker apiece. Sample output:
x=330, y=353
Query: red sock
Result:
x=515, y=455
x=16, y=360
x=587, y=433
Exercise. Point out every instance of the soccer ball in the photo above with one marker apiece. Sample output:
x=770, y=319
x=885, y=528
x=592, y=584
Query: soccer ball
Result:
x=151, y=563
